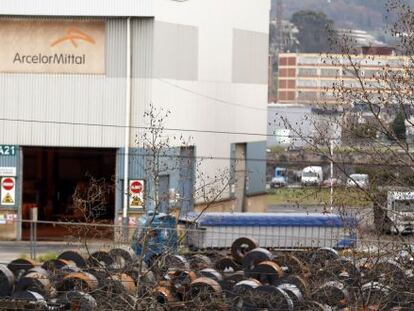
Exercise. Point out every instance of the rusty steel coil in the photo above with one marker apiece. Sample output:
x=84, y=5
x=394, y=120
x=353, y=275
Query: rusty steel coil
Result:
x=292, y=280
x=377, y=295
x=38, y=270
x=254, y=257
x=267, y=272
x=211, y=273
x=57, y=264
x=127, y=253
x=176, y=261
x=83, y=281
x=35, y=282
x=141, y=276
x=164, y=295
x=241, y=247
x=122, y=283
x=388, y=271
x=230, y=280
x=294, y=293
x=298, y=281
x=7, y=280
x=205, y=288
x=271, y=297
x=345, y=270
x=244, y=288
x=100, y=259
x=162, y=264
x=200, y=261
x=227, y=264
x=79, y=301
x=20, y=266
x=101, y=275
x=332, y=293
x=74, y=256
x=122, y=257
x=323, y=255
x=29, y=296
x=293, y=263
x=182, y=279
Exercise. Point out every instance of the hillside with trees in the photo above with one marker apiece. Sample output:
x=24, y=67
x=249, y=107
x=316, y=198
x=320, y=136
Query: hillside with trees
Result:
x=361, y=14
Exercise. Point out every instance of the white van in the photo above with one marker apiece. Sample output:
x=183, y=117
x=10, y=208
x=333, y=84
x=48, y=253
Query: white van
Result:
x=400, y=210
x=312, y=176
x=358, y=180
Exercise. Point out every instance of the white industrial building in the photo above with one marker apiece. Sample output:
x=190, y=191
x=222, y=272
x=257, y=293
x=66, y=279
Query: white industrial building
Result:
x=75, y=80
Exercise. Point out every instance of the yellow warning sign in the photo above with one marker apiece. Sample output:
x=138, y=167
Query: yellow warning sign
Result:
x=7, y=199
x=136, y=201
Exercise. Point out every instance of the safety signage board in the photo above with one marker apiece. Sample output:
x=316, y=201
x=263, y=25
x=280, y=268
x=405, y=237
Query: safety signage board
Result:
x=7, y=150
x=136, y=193
x=7, y=171
x=8, y=191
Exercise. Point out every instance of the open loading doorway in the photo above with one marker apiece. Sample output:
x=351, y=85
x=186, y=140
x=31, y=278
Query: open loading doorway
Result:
x=70, y=185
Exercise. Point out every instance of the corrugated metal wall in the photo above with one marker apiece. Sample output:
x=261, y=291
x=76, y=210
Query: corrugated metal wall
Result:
x=77, y=110
x=177, y=163
x=77, y=7
x=142, y=38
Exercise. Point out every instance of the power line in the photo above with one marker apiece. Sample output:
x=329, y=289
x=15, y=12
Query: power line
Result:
x=210, y=97
x=149, y=128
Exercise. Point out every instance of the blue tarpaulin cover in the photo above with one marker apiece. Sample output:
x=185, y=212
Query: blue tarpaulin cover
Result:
x=271, y=219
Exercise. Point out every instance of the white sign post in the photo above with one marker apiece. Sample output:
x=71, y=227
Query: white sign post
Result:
x=136, y=193
x=8, y=191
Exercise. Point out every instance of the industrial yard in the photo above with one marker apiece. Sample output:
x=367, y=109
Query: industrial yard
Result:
x=244, y=277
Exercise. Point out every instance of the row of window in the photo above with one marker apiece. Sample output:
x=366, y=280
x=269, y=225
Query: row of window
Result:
x=325, y=72
x=292, y=84
x=336, y=60
x=305, y=95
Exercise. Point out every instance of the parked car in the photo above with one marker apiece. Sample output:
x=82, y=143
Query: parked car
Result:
x=280, y=179
x=312, y=176
x=358, y=180
x=278, y=182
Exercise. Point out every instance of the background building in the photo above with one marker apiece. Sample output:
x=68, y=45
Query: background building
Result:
x=76, y=78
x=308, y=78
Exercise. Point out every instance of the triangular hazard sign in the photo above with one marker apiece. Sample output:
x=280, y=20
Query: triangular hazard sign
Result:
x=7, y=199
x=136, y=201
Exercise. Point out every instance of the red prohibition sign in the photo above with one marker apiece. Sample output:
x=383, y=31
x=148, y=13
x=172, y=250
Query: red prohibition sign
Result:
x=8, y=184
x=136, y=187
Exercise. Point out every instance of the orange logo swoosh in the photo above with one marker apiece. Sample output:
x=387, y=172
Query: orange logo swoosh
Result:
x=72, y=35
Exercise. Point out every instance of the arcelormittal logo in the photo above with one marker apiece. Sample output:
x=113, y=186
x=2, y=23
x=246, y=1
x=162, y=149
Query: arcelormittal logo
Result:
x=73, y=35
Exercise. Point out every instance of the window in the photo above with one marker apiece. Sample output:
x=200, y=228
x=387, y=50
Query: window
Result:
x=308, y=83
x=330, y=72
x=328, y=83
x=308, y=95
x=307, y=72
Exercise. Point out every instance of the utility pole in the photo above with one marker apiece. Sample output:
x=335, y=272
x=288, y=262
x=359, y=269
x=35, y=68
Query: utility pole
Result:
x=331, y=184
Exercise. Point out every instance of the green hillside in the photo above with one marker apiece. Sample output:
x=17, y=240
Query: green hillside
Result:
x=362, y=14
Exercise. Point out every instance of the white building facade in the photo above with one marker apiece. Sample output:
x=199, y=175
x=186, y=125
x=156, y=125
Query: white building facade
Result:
x=77, y=76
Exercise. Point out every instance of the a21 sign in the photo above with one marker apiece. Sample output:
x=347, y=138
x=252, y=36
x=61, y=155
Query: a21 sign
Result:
x=7, y=150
